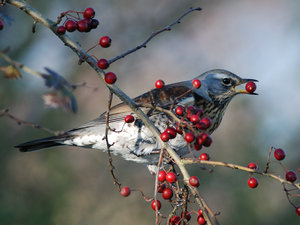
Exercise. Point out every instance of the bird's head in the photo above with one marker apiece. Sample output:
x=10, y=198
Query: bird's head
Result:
x=220, y=84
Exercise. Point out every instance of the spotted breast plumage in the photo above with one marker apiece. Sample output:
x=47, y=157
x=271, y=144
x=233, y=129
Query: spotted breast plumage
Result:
x=134, y=141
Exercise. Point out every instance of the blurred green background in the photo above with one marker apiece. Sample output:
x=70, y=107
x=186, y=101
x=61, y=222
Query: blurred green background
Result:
x=254, y=39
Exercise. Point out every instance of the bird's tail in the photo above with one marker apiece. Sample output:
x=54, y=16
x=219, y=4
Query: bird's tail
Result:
x=41, y=143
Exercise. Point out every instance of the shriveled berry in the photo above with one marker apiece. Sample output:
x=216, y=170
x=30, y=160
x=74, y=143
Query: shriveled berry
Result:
x=252, y=182
x=89, y=13
x=298, y=210
x=103, y=64
x=175, y=220
x=105, y=41
x=171, y=131
x=197, y=147
x=194, y=118
x=196, y=83
x=129, y=119
x=159, y=84
x=125, y=191
x=205, y=123
x=160, y=188
x=71, y=25
x=171, y=177
x=82, y=26
x=162, y=176
x=167, y=193
x=94, y=23
x=187, y=215
x=291, y=176
x=194, y=181
x=179, y=110
x=110, y=78
x=189, y=137
x=279, y=154
x=201, y=220
x=155, y=204
x=165, y=136
x=207, y=141
x=61, y=30
x=250, y=87
x=204, y=156
x=252, y=166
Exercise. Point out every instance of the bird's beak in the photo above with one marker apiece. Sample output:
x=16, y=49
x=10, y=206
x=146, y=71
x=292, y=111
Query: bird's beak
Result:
x=244, y=81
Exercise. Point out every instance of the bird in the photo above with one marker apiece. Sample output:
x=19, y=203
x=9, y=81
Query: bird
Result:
x=134, y=141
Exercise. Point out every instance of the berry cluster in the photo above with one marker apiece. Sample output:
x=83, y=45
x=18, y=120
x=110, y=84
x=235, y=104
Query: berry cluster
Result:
x=83, y=24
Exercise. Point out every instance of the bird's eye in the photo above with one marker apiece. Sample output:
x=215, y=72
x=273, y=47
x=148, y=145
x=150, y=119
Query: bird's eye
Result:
x=226, y=81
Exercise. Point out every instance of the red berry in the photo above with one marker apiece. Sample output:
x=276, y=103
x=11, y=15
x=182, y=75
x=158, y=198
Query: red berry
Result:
x=200, y=212
x=155, y=204
x=103, y=64
x=162, y=176
x=205, y=123
x=165, y=136
x=250, y=87
x=252, y=182
x=252, y=166
x=129, y=119
x=179, y=110
x=279, y=154
x=125, y=191
x=105, y=41
x=160, y=188
x=1, y=25
x=291, y=176
x=178, y=129
x=187, y=215
x=110, y=78
x=207, y=140
x=196, y=83
x=159, y=84
x=189, y=137
x=71, y=25
x=197, y=147
x=194, y=181
x=204, y=156
x=61, y=30
x=194, y=118
x=89, y=13
x=171, y=131
x=298, y=210
x=167, y=193
x=171, y=177
x=94, y=23
x=175, y=220
x=82, y=26
x=191, y=110
x=201, y=220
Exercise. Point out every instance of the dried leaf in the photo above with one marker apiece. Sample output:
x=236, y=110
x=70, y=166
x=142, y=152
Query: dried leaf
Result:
x=10, y=72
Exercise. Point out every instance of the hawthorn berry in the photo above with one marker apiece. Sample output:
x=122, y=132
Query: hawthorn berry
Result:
x=250, y=87
x=129, y=119
x=61, y=30
x=200, y=212
x=155, y=204
x=105, y=41
x=125, y=191
x=171, y=177
x=252, y=182
x=207, y=141
x=196, y=83
x=194, y=118
x=94, y=23
x=167, y=193
x=204, y=156
x=162, y=176
x=178, y=129
x=89, y=13
x=160, y=188
x=175, y=220
x=1, y=25
x=298, y=210
x=279, y=154
x=159, y=84
x=187, y=215
x=201, y=220
x=252, y=166
x=71, y=25
x=82, y=26
x=197, y=147
x=291, y=176
x=103, y=64
x=179, y=110
x=171, y=131
x=165, y=136
x=110, y=78
x=194, y=181
x=205, y=123
x=189, y=137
